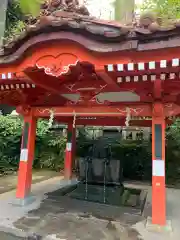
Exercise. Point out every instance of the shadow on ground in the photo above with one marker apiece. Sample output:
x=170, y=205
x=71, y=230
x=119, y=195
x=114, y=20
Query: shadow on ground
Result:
x=72, y=219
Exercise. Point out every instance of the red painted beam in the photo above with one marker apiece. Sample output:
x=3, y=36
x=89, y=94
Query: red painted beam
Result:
x=107, y=78
x=118, y=123
x=109, y=122
x=105, y=121
x=73, y=87
x=171, y=109
x=43, y=80
x=135, y=110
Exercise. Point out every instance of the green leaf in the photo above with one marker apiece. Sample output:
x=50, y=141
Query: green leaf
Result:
x=164, y=8
x=30, y=6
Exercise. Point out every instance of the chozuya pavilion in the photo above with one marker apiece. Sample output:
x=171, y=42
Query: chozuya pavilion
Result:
x=82, y=70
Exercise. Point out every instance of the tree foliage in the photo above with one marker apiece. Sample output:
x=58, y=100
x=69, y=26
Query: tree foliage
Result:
x=173, y=132
x=16, y=12
x=17, y=9
x=50, y=148
x=14, y=20
x=30, y=7
x=49, y=151
x=163, y=8
x=124, y=10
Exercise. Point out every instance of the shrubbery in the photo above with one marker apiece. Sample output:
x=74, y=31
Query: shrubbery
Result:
x=136, y=156
x=49, y=153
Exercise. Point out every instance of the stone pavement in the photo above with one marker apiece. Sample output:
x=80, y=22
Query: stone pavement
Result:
x=70, y=219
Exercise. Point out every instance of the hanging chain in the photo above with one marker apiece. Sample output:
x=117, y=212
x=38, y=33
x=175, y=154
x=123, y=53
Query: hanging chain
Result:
x=74, y=119
x=86, y=180
x=104, y=188
x=51, y=118
x=128, y=116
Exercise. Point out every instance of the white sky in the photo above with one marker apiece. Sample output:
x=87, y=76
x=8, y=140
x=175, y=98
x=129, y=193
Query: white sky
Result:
x=103, y=8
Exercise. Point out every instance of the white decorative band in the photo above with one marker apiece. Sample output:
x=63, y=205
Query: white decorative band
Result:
x=8, y=75
x=6, y=87
x=141, y=118
x=158, y=168
x=24, y=155
x=141, y=66
x=150, y=77
x=68, y=146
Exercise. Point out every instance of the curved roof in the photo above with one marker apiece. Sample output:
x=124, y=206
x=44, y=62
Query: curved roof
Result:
x=66, y=65
x=73, y=22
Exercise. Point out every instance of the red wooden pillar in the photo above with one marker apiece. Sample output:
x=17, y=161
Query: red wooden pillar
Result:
x=74, y=147
x=158, y=163
x=26, y=158
x=70, y=151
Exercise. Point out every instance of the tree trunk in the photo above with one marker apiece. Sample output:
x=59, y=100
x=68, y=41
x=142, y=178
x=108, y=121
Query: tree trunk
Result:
x=124, y=11
x=3, y=10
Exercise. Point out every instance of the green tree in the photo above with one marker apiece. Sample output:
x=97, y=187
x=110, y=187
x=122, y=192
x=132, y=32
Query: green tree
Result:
x=124, y=11
x=173, y=131
x=3, y=10
x=14, y=20
x=163, y=8
x=16, y=12
x=30, y=7
x=49, y=150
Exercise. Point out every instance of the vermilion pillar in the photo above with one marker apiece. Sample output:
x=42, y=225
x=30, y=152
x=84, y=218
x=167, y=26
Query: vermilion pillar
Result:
x=70, y=151
x=74, y=148
x=26, y=158
x=158, y=163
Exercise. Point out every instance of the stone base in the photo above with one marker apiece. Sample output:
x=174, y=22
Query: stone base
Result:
x=157, y=228
x=24, y=201
x=69, y=181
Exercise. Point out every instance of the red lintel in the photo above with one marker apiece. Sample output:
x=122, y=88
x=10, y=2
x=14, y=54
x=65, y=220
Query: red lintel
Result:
x=135, y=110
x=138, y=110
